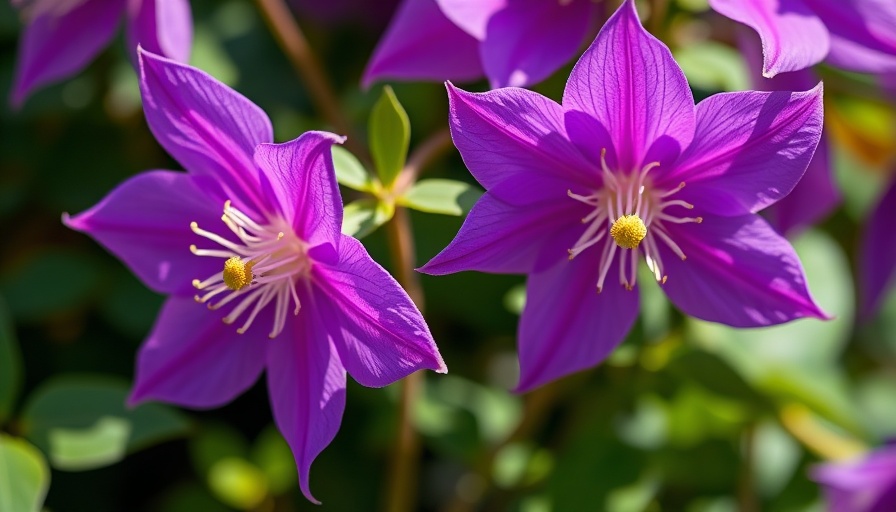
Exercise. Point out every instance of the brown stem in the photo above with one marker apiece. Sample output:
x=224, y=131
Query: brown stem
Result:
x=401, y=492
x=291, y=39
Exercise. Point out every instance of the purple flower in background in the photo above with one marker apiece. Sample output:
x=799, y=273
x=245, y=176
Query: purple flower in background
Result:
x=866, y=485
x=859, y=35
x=511, y=42
x=63, y=36
x=296, y=297
x=878, y=253
x=625, y=166
x=817, y=194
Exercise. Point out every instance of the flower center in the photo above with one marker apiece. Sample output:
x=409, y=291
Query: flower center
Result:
x=628, y=231
x=261, y=268
x=634, y=213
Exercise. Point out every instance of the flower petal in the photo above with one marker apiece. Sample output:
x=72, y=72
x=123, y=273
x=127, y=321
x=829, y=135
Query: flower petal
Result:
x=208, y=127
x=528, y=40
x=55, y=47
x=863, y=33
x=422, y=44
x=306, y=384
x=145, y=222
x=566, y=326
x=472, y=16
x=750, y=150
x=504, y=238
x=300, y=179
x=628, y=81
x=515, y=134
x=192, y=358
x=793, y=37
x=738, y=271
x=163, y=27
x=878, y=253
x=379, y=333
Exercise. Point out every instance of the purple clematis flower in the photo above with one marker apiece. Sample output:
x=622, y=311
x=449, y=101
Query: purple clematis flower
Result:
x=859, y=35
x=877, y=272
x=512, y=42
x=63, y=36
x=625, y=166
x=866, y=485
x=817, y=194
x=296, y=297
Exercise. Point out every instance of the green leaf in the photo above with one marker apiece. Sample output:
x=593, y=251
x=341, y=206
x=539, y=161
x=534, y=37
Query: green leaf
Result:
x=24, y=476
x=390, y=134
x=363, y=216
x=83, y=423
x=713, y=67
x=447, y=197
x=238, y=483
x=349, y=171
x=10, y=365
x=49, y=282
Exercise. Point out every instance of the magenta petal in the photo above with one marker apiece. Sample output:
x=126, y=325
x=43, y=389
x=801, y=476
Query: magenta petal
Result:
x=306, y=384
x=628, y=81
x=793, y=37
x=504, y=238
x=529, y=39
x=192, y=358
x=422, y=44
x=878, y=253
x=750, y=149
x=860, y=485
x=738, y=271
x=145, y=222
x=55, y=47
x=379, y=333
x=515, y=134
x=208, y=127
x=566, y=325
x=303, y=183
x=472, y=16
x=863, y=33
x=163, y=27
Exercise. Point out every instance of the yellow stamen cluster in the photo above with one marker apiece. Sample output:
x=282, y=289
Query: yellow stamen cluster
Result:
x=237, y=275
x=628, y=231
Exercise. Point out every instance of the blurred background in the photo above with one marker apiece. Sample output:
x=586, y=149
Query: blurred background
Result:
x=685, y=415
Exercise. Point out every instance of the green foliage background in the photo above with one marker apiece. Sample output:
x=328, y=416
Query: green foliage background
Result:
x=685, y=416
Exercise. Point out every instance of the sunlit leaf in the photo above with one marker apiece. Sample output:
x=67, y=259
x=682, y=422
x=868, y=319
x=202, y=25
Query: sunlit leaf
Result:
x=447, y=197
x=215, y=441
x=713, y=67
x=83, y=423
x=349, y=171
x=10, y=365
x=389, y=134
x=24, y=476
x=238, y=483
x=363, y=216
x=99, y=445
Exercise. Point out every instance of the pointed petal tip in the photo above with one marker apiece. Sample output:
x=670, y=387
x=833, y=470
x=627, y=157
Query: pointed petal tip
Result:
x=303, y=484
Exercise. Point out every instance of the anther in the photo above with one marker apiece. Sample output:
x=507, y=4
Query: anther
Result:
x=628, y=231
x=237, y=274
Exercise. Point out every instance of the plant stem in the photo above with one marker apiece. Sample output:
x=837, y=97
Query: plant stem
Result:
x=401, y=492
x=291, y=39
x=746, y=488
